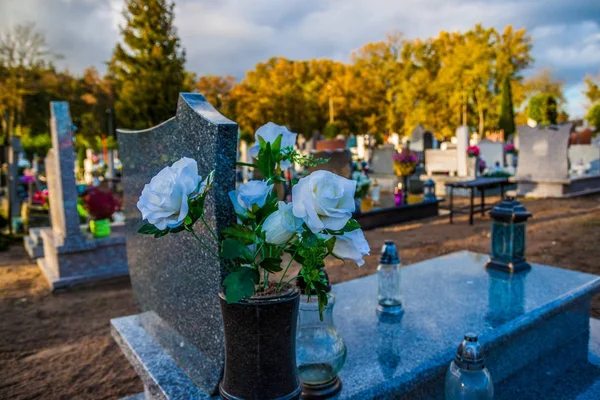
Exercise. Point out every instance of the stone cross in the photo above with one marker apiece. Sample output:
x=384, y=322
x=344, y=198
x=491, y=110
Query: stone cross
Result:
x=60, y=176
x=175, y=281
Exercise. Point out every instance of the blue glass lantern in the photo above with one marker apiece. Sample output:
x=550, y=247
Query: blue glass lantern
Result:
x=509, y=226
x=429, y=191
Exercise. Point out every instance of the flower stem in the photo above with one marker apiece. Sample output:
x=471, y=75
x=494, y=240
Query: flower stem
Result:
x=288, y=282
x=214, y=235
x=286, y=270
x=202, y=243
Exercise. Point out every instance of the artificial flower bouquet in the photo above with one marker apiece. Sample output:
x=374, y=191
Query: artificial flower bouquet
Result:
x=473, y=151
x=317, y=222
x=404, y=162
x=363, y=184
x=100, y=204
x=510, y=148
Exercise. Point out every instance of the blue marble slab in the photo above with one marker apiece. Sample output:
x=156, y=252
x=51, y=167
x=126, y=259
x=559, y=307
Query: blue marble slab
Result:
x=535, y=328
x=444, y=298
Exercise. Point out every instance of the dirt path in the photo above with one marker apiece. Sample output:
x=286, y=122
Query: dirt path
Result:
x=58, y=346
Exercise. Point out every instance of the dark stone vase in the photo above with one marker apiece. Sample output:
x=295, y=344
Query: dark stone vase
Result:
x=260, y=348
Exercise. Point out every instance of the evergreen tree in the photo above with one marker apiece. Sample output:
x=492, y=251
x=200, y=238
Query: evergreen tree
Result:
x=148, y=66
x=507, y=116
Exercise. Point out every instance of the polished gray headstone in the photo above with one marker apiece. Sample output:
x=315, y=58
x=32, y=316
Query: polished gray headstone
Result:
x=175, y=281
x=543, y=153
x=62, y=187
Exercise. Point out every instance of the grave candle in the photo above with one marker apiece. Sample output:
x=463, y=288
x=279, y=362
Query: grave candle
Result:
x=388, y=275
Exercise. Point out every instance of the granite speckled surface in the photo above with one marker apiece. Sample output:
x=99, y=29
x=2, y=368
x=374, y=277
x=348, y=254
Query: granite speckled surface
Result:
x=175, y=281
x=59, y=163
x=540, y=319
x=162, y=377
x=70, y=257
x=443, y=299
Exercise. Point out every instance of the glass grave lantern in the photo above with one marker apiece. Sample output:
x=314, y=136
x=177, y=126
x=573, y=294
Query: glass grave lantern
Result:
x=320, y=350
x=508, y=241
x=388, y=277
x=429, y=191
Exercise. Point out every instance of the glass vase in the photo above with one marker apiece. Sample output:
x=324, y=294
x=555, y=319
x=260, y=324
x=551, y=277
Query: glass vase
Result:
x=320, y=350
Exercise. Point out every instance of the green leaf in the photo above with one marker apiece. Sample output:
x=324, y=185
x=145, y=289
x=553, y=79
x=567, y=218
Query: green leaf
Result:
x=187, y=220
x=276, y=145
x=239, y=232
x=178, y=229
x=271, y=264
x=240, y=284
x=148, y=229
x=351, y=225
x=262, y=143
x=233, y=249
x=162, y=233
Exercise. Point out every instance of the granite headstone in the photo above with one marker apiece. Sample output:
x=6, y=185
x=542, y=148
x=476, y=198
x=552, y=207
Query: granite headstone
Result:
x=60, y=175
x=416, y=138
x=491, y=152
x=71, y=257
x=543, y=153
x=175, y=281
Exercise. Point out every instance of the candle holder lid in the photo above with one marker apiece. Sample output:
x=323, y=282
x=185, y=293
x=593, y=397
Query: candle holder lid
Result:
x=510, y=210
x=470, y=354
x=389, y=253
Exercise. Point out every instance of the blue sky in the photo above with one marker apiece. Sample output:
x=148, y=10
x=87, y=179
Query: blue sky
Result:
x=231, y=36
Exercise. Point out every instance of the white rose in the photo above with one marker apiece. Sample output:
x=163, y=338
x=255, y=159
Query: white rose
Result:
x=164, y=201
x=248, y=194
x=281, y=225
x=324, y=200
x=269, y=133
x=352, y=246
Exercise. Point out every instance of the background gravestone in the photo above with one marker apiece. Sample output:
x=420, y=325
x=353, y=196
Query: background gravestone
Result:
x=543, y=169
x=14, y=202
x=543, y=153
x=462, y=136
x=416, y=138
x=175, y=281
x=491, y=152
x=71, y=257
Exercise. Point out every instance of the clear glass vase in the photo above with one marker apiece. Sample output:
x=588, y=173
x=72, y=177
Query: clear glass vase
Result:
x=320, y=350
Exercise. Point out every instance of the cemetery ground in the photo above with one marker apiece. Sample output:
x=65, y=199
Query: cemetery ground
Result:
x=58, y=346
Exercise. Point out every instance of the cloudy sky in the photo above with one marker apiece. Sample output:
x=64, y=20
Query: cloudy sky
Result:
x=231, y=36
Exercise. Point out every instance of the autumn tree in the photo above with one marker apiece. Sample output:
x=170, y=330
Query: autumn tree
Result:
x=148, y=65
x=217, y=90
x=542, y=108
x=592, y=90
x=593, y=115
x=23, y=54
